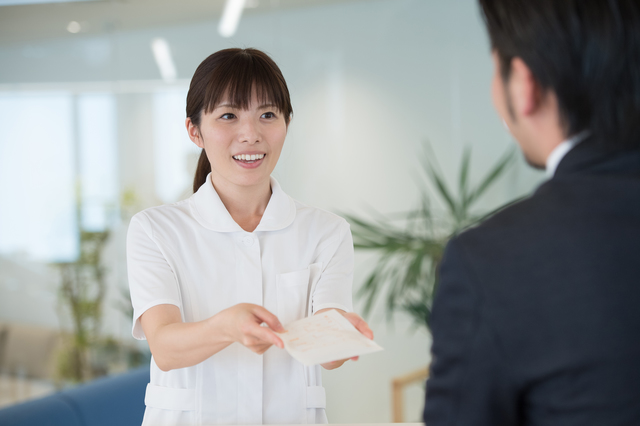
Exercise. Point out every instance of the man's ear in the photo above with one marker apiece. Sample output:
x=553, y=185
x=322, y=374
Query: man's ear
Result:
x=194, y=132
x=526, y=92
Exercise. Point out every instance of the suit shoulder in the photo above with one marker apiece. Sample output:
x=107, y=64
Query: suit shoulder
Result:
x=516, y=215
x=526, y=222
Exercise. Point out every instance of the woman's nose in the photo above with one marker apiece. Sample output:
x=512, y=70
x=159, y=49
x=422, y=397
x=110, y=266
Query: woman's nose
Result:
x=249, y=132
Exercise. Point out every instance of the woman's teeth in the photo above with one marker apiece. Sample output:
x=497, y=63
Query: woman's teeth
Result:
x=246, y=157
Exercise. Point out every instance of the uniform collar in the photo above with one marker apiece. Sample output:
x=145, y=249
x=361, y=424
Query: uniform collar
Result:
x=211, y=213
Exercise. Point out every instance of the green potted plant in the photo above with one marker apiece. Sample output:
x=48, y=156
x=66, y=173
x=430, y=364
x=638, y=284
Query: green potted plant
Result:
x=82, y=291
x=87, y=353
x=406, y=273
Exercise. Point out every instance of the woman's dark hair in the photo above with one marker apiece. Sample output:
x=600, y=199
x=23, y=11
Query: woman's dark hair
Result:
x=232, y=74
x=586, y=51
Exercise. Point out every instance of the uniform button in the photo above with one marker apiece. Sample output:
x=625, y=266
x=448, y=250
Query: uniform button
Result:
x=247, y=241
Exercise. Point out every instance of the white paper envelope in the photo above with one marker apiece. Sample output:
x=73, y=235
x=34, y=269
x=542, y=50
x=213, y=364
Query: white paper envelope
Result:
x=324, y=338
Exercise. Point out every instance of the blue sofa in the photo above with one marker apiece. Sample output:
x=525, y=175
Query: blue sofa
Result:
x=114, y=400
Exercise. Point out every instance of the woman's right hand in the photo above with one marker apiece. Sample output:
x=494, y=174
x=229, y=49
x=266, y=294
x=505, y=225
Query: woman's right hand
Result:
x=242, y=324
x=176, y=344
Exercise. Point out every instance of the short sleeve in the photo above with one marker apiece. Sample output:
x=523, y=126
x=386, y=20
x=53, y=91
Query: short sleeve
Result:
x=151, y=279
x=334, y=287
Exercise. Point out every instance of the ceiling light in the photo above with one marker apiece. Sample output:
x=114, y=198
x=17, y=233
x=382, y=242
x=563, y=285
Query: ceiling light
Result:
x=230, y=17
x=74, y=27
x=162, y=54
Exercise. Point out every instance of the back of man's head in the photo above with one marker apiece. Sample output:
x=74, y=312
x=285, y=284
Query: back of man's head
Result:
x=586, y=51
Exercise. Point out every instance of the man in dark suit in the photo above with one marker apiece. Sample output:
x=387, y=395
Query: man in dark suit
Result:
x=536, y=319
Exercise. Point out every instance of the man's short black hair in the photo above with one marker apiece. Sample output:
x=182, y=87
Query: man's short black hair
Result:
x=586, y=51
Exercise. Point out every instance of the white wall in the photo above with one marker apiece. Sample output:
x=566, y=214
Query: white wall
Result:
x=370, y=81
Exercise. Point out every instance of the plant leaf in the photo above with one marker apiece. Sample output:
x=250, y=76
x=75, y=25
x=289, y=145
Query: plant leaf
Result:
x=493, y=174
x=464, y=175
x=443, y=191
x=411, y=244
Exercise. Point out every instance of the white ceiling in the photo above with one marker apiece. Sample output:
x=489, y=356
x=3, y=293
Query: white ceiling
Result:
x=23, y=23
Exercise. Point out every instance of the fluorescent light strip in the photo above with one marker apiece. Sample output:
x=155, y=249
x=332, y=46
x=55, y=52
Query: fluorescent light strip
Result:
x=230, y=17
x=162, y=54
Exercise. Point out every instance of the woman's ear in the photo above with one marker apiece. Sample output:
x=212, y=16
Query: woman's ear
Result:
x=194, y=132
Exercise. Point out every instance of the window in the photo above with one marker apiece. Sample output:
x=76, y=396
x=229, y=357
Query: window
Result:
x=57, y=166
x=175, y=154
x=37, y=206
x=97, y=150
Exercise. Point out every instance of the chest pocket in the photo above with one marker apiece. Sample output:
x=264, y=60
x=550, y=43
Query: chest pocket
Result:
x=295, y=293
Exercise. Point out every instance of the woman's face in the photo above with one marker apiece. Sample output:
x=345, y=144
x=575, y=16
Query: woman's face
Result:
x=243, y=146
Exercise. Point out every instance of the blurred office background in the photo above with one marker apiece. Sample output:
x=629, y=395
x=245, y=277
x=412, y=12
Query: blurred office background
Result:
x=92, y=131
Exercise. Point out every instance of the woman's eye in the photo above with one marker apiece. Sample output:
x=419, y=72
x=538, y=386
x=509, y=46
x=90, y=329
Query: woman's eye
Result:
x=227, y=116
x=269, y=115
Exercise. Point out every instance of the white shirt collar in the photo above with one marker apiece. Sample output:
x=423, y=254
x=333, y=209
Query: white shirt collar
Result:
x=209, y=210
x=561, y=150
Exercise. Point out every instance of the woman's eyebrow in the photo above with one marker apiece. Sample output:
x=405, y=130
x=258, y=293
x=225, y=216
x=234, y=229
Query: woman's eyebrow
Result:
x=228, y=105
x=234, y=106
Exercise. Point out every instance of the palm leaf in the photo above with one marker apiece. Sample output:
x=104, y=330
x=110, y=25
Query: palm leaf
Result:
x=420, y=312
x=464, y=176
x=493, y=174
x=411, y=244
x=443, y=191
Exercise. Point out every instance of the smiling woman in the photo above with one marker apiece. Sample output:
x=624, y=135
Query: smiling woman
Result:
x=229, y=82
x=237, y=139
x=214, y=277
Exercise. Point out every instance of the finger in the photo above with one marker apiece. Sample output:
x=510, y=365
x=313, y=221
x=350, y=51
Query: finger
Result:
x=333, y=364
x=360, y=324
x=272, y=321
x=268, y=336
x=260, y=349
x=256, y=344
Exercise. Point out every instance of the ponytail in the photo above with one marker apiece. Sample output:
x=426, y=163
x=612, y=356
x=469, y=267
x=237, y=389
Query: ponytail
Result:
x=202, y=171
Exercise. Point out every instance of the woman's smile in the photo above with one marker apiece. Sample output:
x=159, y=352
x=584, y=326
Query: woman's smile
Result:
x=249, y=161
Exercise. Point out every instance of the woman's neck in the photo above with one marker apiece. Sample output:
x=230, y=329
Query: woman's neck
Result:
x=245, y=204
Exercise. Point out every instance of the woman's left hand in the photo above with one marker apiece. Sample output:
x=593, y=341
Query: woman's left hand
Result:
x=360, y=325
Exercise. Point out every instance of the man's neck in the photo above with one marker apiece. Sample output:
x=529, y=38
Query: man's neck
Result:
x=558, y=153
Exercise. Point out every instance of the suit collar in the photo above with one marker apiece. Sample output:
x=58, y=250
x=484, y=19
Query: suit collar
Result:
x=561, y=150
x=211, y=213
x=592, y=157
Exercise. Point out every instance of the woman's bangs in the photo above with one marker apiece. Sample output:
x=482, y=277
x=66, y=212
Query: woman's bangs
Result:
x=235, y=81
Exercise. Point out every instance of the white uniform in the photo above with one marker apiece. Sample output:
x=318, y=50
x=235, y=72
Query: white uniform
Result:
x=192, y=254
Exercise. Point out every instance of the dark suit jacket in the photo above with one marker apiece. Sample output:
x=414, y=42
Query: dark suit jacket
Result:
x=537, y=317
